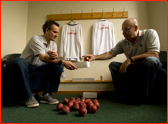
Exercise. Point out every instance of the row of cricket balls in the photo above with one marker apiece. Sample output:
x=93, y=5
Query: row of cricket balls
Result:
x=78, y=104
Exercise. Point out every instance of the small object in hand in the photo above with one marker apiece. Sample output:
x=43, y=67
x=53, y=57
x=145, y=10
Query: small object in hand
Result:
x=86, y=58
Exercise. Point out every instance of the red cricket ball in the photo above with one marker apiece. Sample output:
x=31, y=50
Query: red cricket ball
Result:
x=82, y=98
x=82, y=111
x=83, y=104
x=78, y=101
x=72, y=98
x=76, y=106
x=87, y=100
x=95, y=100
x=86, y=58
x=65, y=100
x=89, y=104
x=59, y=106
x=93, y=108
x=70, y=104
x=65, y=109
x=97, y=104
x=77, y=98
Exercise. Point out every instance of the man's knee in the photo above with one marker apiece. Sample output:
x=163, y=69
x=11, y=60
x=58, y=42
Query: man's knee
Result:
x=114, y=65
x=20, y=63
x=57, y=68
x=61, y=68
x=151, y=62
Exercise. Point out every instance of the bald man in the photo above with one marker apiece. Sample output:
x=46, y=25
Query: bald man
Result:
x=133, y=77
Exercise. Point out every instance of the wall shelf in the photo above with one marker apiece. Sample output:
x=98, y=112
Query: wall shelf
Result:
x=96, y=81
x=83, y=16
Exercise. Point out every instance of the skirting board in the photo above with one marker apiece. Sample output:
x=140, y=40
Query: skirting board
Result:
x=81, y=92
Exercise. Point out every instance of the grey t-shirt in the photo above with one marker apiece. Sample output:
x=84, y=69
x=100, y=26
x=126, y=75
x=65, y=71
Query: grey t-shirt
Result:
x=148, y=40
x=37, y=45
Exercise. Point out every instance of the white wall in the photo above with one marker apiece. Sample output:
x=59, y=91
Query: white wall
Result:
x=158, y=20
x=13, y=26
x=37, y=16
x=22, y=19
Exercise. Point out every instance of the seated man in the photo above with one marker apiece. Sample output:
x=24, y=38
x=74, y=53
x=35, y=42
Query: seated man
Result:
x=138, y=71
x=40, y=54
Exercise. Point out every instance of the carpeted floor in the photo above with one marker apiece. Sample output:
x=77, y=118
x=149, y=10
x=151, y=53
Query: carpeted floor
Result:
x=109, y=112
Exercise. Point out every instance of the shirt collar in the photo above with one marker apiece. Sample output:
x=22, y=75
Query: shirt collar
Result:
x=45, y=42
x=140, y=33
x=76, y=23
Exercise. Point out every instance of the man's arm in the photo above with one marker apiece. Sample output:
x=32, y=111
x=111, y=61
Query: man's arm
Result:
x=48, y=59
x=52, y=54
x=141, y=57
x=145, y=55
x=107, y=55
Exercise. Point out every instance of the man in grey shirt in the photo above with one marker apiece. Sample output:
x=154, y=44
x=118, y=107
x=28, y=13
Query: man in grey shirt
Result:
x=40, y=54
x=141, y=47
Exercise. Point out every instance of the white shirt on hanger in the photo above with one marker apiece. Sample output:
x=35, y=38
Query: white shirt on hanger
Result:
x=71, y=47
x=103, y=38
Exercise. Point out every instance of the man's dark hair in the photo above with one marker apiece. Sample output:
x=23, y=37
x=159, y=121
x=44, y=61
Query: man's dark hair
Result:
x=48, y=24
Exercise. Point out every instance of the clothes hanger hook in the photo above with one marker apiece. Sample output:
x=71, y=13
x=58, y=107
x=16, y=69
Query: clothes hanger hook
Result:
x=123, y=11
x=102, y=13
x=82, y=13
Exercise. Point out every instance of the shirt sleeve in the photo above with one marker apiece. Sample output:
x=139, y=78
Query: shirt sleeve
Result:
x=113, y=36
x=153, y=42
x=81, y=42
x=117, y=49
x=36, y=45
x=94, y=37
x=62, y=42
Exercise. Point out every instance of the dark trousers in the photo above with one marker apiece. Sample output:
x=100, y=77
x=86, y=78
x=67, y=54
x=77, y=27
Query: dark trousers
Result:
x=21, y=70
x=137, y=79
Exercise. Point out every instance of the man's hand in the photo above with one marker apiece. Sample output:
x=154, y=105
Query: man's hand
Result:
x=90, y=56
x=68, y=65
x=52, y=54
x=124, y=66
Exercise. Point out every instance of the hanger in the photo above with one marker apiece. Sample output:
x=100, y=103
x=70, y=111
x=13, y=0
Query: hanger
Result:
x=102, y=20
x=72, y=22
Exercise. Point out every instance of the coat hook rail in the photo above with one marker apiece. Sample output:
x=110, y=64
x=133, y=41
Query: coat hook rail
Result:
x=92, y=15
